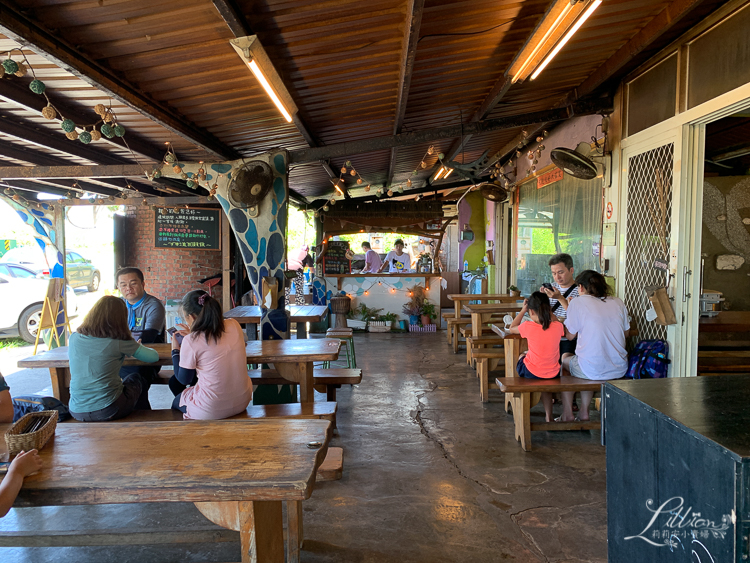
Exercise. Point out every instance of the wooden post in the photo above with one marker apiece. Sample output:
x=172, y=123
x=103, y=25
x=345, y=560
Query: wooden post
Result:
x=226, y=266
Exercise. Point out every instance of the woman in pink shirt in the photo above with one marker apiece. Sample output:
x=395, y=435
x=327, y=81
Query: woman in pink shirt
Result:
x=543, y=334
x=210, y=365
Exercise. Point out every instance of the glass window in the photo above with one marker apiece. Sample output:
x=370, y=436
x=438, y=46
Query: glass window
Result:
x=565, y=217
x=21, y=273
x=4, y=270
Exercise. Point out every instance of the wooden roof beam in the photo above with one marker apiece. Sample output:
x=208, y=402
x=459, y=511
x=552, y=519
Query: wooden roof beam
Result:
x=25, y=31
x=426, y=136
x=58, y=188
x=232, y=15
x=17, y=93
x=413, y=22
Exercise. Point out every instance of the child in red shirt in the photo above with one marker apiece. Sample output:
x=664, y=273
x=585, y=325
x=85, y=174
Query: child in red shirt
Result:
x=543, y=334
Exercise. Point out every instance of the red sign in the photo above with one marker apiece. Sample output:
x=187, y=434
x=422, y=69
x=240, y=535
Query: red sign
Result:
x=549, y=177
x=609, y=210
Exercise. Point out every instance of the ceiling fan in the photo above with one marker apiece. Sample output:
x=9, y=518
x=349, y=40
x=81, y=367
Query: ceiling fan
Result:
x=579, y=162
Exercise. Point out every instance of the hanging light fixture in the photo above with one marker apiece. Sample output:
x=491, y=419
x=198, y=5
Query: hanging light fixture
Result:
x=251, y=51
x=559, y=24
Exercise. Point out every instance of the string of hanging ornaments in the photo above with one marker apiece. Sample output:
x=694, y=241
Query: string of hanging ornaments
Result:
x=15, y=196
x=498, y=170
x=107, y=122
x=349, y=168
x=392, y=289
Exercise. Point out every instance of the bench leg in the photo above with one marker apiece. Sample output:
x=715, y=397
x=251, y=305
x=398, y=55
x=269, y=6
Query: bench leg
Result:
x=60, y=379
x=522, y=419
x=483, y=371
x=455, y=339
x=448, y=334
x=294, y=533
x=331, y=392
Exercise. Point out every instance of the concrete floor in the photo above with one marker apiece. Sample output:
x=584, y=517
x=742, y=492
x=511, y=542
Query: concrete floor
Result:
x=430, y=475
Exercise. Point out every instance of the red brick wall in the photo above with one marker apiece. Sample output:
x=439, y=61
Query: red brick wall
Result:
x=170, y=273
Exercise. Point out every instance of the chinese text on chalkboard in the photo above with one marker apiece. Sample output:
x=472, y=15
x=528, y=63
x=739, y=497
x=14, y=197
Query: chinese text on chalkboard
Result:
x=187, y=228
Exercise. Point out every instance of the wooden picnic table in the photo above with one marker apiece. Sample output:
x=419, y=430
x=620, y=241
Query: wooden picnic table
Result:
x=481, y=313
x=459, y=299
x=237, y=473
x=726, y=321
x=300, y=314
x=292, y=358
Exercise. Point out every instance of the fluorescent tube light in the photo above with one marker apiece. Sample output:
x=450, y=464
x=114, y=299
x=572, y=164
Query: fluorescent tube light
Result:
x=251, y=51
x=567, y=37
x=450, y=171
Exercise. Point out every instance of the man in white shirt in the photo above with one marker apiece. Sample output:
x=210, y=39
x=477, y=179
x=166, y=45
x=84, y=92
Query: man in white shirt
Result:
x=397, y=260
x=563, y=291
x=372, y=259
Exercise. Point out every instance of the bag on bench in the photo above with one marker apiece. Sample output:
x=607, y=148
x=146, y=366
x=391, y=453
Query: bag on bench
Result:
x=649, y=359
x=32, y=403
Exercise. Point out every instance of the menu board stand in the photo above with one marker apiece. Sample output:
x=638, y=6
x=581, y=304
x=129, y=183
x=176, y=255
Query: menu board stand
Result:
x=335, y=260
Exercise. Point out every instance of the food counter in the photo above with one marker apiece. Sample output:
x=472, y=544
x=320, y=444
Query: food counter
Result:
x=384, y=291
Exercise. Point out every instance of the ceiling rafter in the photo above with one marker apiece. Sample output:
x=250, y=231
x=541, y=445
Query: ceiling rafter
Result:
x=412, y=24
x=425, y=136
x=25, y=31
x=18, y=93
x=231, y=13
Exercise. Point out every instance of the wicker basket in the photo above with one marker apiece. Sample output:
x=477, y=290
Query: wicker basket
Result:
x=18, y=442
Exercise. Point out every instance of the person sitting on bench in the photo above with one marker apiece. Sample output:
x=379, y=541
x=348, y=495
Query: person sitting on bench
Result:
x=600, y=322
x=210, y=378
x=97, y=350
x=543, y=333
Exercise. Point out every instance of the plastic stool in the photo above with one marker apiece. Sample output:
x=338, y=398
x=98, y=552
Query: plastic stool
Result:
x=347, y=338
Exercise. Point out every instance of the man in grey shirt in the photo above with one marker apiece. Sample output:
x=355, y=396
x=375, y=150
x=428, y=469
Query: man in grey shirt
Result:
x=147, y=321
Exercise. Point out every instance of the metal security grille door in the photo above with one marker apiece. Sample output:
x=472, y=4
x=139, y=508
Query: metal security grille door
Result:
x=649, y=212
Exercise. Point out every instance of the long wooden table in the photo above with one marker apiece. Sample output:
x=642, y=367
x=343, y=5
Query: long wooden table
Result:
x=292, y=358
x=460, y=299
x=481, y=313
x=300, y=314
x=237, y=473
x=726, y=321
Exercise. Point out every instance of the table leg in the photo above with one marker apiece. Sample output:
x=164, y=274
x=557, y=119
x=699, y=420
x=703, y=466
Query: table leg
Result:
x=301, y=373
x=301, y=330
x=294, y=534
x=483, y=370
x=512, y=347
x=60, y=379
x=456, y=334
x=476, y=325
x=259, y=523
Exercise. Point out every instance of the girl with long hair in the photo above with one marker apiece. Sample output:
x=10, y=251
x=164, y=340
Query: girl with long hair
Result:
x=543, y=334
x=210, y=378
x=600, y=322
x=97, y=350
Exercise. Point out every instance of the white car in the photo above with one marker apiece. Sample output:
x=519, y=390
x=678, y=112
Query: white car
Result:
x=21, y=310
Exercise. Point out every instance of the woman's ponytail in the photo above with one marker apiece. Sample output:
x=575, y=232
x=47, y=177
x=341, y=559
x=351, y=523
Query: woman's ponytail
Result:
x=209, y=319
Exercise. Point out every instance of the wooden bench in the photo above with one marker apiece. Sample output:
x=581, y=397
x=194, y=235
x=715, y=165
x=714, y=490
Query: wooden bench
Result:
x=526, y=394
x=325, y=380
x=487, y=360
x=447, y=316
x=473, y=343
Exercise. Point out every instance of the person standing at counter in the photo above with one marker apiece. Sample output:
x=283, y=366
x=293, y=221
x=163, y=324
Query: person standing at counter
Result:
x=397, y=260
x=372, y=259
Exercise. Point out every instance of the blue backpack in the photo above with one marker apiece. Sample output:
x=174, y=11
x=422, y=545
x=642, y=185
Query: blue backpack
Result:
x=649, y=359
x=32, y=403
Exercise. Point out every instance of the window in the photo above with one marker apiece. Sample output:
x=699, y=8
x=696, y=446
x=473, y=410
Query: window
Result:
x=562, y=217
x=21, y=272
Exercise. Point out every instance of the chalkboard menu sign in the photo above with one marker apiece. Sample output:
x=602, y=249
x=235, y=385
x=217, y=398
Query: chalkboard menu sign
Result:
x=187, y=228
x=335, y=260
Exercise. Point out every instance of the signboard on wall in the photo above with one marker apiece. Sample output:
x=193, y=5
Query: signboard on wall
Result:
x=187, y=228
x=549, y=177
x=335, y=260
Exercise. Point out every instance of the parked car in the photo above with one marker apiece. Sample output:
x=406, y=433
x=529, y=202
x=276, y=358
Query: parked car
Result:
x=22, y=300
x=16, y=271
x=80, y=271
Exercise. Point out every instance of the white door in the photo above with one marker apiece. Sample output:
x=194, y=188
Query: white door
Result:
x=653, y=213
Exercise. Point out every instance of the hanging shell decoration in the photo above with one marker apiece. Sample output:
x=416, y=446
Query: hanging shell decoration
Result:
x=95, y=135
x=85, y=137
x=37, y=86
x=67, y=125
x=72, y=135
x=107, y=130
x=10, y=66
x=49, y=112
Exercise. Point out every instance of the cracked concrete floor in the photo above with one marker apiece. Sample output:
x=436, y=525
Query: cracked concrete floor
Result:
x=430, y=475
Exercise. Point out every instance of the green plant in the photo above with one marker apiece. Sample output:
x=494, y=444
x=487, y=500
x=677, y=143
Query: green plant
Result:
x=365, y=313
x=513, y=288
x=410, y=309
x=388, y=317
x=428, y=310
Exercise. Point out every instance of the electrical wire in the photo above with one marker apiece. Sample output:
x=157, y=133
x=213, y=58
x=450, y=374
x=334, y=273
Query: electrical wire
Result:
x=512, y=20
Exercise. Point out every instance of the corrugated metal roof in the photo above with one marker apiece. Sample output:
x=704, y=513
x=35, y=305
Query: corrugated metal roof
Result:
x=340, y=60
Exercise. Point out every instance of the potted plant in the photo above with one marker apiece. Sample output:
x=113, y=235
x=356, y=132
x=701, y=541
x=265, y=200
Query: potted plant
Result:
x=427, y=313
x=513, y=291
x=411, y=310
x=359, y=316
x=383, y=323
